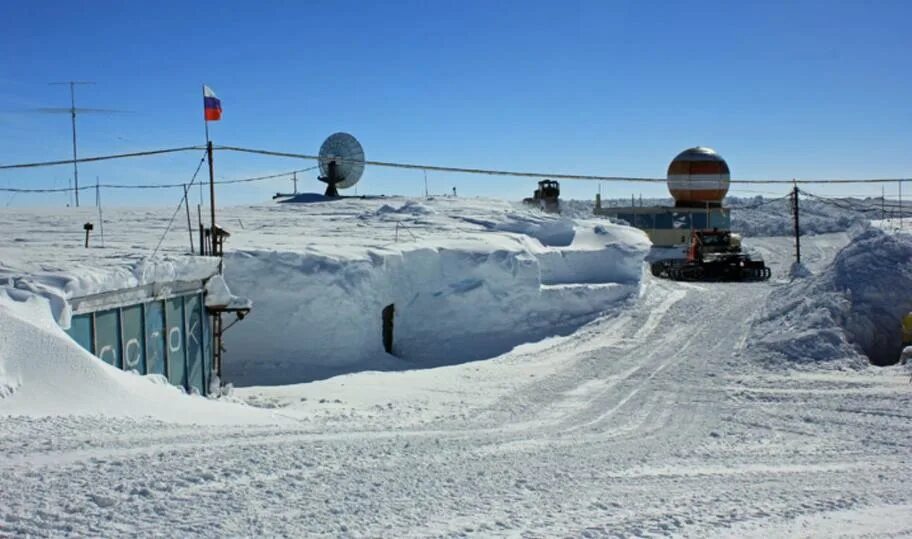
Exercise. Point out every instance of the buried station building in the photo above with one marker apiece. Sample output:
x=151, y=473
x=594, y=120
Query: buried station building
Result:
x=153, y=316
x=698, y=179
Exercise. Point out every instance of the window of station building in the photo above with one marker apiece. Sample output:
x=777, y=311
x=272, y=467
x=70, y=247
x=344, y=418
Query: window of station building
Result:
x=664, y=220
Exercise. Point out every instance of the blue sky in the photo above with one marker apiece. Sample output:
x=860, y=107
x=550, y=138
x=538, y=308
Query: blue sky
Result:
x=780, y=89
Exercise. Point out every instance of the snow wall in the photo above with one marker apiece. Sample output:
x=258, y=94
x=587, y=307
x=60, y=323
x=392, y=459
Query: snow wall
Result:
x=465, y=299
x=854, y=306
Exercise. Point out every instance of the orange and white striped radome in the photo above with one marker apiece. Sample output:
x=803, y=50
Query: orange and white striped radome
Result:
x=698, y=176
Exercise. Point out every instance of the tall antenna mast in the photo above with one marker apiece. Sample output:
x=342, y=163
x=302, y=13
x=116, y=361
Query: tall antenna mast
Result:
x=72, y=84
x=72, y=111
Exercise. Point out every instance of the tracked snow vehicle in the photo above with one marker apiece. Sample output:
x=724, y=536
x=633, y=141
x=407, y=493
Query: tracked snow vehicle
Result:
x=713, y=255
x=546, y=197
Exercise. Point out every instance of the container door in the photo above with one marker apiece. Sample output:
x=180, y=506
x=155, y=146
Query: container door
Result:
x=174, y=340
x=155, y=338
x=195, y=376
x=82, y=331
x=134, y=339
x=207, y=345
x=107, y=337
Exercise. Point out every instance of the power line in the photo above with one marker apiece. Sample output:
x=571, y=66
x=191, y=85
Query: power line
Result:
x=560, y=176
x=181, y=203
x=464, y=170
x=152, y=186
x=100, y=158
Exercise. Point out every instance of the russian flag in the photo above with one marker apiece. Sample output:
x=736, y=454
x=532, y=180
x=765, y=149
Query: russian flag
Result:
x=212, y=106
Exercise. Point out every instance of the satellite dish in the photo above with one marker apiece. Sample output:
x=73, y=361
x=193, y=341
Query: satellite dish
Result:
x=341, y=162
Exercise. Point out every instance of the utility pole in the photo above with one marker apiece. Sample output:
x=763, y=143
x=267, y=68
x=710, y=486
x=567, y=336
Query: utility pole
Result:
x=797, y=228
x=98, y=203
x=294, y=179
x=211, y=185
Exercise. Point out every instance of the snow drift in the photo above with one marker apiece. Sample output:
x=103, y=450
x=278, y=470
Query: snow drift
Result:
x=760, y=216
x=853, y=307
x=497, y=279
x=45, y=373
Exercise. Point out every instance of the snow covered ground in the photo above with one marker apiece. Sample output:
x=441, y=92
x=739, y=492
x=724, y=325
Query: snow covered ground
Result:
x=661, y=414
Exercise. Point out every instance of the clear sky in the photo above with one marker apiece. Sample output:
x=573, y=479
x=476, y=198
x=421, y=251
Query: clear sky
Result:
x=781, y=89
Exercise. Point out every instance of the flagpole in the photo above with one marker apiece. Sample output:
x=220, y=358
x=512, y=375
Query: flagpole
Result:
x=211, y=180
x=206, y=125
x=205, y=122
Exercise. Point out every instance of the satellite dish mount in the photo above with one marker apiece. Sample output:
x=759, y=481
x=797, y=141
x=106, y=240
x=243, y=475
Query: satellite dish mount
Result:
x=331, y=179
x=341, y=163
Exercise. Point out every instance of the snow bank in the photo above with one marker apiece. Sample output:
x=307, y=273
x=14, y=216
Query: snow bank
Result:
x=853, y=307
x=59, y=284
x=472, y=282
x=816, y=217
x=45, y=373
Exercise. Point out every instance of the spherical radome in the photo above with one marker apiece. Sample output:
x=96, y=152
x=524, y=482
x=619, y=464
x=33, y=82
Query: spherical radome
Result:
x=348, y=154
x=698, y=176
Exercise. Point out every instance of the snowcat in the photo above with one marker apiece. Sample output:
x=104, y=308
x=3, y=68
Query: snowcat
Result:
x=713, y=255
x=546, y=197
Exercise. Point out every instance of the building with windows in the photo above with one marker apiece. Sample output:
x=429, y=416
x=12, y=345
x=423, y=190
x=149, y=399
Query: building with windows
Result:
x=698, y=180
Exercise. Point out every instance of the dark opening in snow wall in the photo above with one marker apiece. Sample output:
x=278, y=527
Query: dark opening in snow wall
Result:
x=317, y=315
x=854, y=306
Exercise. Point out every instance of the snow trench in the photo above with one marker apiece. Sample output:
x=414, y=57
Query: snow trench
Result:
x=317, y=316
x=853, y=307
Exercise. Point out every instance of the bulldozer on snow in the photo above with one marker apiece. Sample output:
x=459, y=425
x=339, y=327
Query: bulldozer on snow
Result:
x=546, y=197
x=713, y=255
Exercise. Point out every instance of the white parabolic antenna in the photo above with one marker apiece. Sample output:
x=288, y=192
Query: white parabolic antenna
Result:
x=341, y=162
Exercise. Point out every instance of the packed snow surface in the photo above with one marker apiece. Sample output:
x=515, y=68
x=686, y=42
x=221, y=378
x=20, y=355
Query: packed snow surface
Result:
x=660, y=415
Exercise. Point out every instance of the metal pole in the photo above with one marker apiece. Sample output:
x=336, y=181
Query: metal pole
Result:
x=797, y=228
x=883, y=203
x=100, y=216
x=189, y=225
x=72, y=84
x=73, y=118
x=212, y=202
x=202, y=238
x=900, y=205
x=205, y=121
